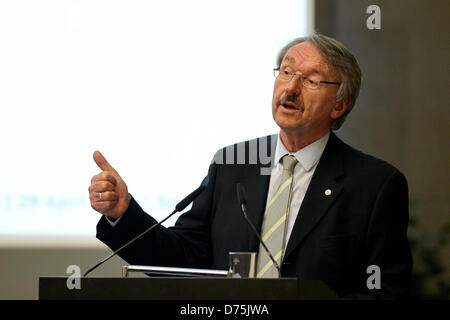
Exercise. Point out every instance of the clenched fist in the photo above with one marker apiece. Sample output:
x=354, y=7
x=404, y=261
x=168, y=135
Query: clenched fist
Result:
x=108, y=193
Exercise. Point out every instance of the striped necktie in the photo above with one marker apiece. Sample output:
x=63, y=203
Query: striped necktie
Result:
x=273, y=229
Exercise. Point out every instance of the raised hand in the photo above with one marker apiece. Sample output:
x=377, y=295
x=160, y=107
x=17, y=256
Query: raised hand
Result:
x=108, y=193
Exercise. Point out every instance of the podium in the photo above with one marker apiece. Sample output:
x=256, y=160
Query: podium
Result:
x=176, y=288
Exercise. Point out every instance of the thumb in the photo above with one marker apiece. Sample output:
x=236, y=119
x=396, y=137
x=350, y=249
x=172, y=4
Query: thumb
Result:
x=101, y=162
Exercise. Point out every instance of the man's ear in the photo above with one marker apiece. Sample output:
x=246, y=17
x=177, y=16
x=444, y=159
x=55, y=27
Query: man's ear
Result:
x=339, y=109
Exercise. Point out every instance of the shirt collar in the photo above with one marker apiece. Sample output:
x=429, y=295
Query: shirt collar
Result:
x=307, y=156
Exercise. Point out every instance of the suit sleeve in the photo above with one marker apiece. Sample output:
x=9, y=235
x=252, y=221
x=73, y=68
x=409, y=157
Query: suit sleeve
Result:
x=387, y=244
x=187, y=244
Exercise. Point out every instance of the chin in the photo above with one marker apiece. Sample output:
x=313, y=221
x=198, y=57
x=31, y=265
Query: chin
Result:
x=286, y=122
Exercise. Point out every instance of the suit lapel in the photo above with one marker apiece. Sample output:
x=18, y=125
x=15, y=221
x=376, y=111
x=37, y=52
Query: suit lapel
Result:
x=257, y=195
x=322, y=192
x=256, y=182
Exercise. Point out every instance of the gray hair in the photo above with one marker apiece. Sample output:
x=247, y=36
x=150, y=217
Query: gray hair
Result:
x=337, y=56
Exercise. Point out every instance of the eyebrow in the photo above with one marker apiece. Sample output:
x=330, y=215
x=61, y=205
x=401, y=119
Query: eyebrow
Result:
x=315, y=71
x=290, y=59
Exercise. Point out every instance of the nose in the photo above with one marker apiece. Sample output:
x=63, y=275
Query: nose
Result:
x=294, y=85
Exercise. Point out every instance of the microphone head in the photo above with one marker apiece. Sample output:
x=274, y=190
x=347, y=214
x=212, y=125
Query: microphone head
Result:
x=187, y=201
x=241, y=194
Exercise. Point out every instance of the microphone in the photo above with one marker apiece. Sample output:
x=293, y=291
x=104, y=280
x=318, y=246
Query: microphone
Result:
x=242, y=198
x=179, y=207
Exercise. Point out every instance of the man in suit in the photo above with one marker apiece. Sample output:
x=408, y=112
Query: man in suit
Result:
x=326, y=210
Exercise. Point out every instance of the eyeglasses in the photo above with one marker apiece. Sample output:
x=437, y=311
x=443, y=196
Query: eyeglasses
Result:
x=286, y=76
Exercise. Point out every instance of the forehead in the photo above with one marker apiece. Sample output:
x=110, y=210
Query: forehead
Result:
x=306, y=57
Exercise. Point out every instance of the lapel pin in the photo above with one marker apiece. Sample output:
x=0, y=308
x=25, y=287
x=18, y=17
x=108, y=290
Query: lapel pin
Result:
x=328, y=192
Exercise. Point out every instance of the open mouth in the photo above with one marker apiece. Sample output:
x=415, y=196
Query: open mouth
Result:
x=289, y=105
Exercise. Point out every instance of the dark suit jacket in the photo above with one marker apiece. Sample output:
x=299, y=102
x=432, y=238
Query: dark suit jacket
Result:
x=335, y=238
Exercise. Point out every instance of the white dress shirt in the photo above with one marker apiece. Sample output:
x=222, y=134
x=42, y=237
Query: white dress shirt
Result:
x=307, y=157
